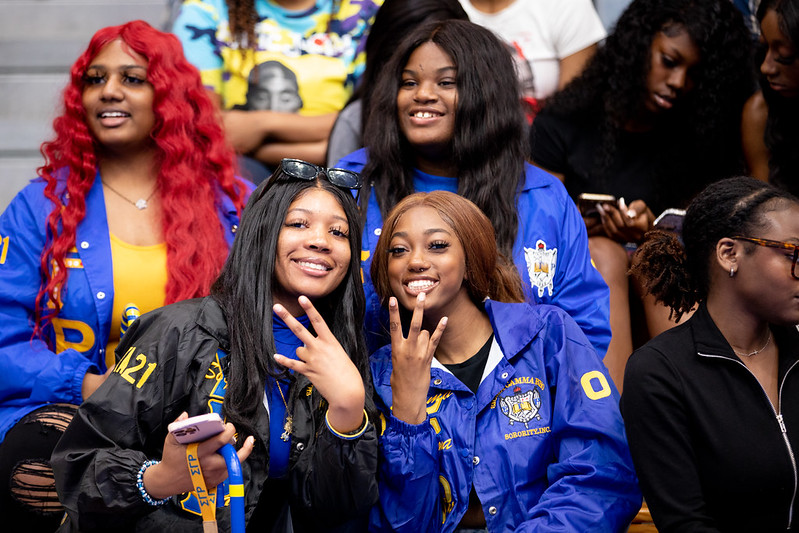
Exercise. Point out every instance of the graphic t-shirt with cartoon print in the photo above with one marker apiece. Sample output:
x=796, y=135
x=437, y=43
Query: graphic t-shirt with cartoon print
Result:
x=304, y=61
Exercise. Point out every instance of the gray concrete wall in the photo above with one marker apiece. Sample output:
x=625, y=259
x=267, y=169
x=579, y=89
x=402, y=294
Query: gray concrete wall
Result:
x=39, y=41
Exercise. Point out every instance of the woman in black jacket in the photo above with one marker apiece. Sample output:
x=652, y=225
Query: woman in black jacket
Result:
x=711, y=406
x=291, y=286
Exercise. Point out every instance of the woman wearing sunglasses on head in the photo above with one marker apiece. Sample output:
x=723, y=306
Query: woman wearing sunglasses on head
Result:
x=711, y=407
x=292, y=289
x=498, y=414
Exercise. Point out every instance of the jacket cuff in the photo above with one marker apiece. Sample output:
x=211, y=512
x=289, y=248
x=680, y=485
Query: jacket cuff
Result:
x=77, y=381
x=406, y=429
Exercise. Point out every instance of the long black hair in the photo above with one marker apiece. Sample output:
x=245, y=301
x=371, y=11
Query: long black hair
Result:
x=245, y=288
x=678, y=275
x=704, y=130
x=782, y=125
x=489, y=145
x=393, y=21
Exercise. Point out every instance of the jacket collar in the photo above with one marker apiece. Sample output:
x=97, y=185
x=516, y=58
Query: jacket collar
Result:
x=709, y=340
x=514, y=324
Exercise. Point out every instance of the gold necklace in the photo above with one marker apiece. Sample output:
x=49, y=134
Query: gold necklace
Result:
x=287, y=424
x=140, y=204
x=750, y=354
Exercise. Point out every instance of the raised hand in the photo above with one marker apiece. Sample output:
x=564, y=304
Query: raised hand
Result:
x=323, y=361
x=171, y=476
x=411, y=358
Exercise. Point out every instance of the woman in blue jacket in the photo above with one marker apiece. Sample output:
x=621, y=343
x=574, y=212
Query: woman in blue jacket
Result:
x=498, y=414
x=136, y=203
x=447, y=116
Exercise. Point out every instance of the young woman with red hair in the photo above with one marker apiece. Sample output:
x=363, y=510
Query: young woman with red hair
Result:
x=120, y=216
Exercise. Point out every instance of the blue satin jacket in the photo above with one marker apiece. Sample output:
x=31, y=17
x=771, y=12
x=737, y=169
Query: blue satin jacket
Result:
x=550, y=253
x=542, y=442
x=31, y=374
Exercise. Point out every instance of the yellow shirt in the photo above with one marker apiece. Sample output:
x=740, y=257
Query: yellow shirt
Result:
x=139, y=279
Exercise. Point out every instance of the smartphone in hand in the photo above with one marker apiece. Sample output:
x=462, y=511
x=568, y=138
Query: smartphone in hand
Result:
x=196, y=428
x=670, y=220
x=587, y=203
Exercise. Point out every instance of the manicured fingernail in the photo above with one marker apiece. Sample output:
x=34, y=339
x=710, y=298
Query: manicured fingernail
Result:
x=392, y=302
x=420, y=297
x=303, y=300
x=444, y=321
x=278, y=357
x=631, y=213
x=277, y=308
x=600, y=209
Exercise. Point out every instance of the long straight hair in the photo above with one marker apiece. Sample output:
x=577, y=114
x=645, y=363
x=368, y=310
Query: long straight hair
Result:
x=245, y=292
x=489, y=145
x=489, y=274
x=393, y=21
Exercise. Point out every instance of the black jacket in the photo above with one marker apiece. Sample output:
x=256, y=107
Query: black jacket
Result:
x=711, y=452
x=177, y=361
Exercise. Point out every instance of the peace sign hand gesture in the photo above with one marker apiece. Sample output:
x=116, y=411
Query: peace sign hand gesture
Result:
x=325, y=363
x=411, y=358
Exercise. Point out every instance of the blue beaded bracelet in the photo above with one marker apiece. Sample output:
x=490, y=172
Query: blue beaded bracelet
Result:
x=140, y=484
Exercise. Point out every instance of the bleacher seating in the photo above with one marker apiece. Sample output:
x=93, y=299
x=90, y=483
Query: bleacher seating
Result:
x=39, y=40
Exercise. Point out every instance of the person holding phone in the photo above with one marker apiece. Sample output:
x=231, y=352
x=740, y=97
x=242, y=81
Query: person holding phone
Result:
x=289, y=297
x=711, y=406
x=498, y=414
x=137, y=202
x=446, y=114
x=653, y=118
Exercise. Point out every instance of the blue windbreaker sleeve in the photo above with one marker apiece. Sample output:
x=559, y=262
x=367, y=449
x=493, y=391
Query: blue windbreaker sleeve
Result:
x=408, y=466
x=592, y=483
x=581, y=291
x=29, y=371
x=407, y=479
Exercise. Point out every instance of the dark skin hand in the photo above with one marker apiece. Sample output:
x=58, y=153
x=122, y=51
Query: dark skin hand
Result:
x=171, y=476
x=621, y=222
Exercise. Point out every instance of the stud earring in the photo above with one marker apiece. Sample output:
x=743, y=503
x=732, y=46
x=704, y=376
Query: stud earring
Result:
x=732, y=272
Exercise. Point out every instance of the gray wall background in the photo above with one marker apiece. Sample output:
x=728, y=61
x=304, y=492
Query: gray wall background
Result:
x=39, y=41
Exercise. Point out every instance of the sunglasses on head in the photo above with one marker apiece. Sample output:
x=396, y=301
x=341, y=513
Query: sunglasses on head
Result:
x=303, y=170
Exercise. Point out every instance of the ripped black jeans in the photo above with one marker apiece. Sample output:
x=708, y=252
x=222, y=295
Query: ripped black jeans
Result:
x=28, y=500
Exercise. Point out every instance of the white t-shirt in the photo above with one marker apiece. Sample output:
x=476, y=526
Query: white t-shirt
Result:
x=543, y=32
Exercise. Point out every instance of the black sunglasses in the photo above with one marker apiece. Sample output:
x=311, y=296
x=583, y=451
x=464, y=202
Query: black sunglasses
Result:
x=303, y=170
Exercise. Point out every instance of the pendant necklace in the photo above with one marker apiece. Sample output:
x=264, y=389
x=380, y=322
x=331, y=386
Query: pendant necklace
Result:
x=287, y=424
x=750, y=354
x=140, y=204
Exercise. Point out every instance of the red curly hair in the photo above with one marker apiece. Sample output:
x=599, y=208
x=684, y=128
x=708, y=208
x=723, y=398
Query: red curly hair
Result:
x=195, y=164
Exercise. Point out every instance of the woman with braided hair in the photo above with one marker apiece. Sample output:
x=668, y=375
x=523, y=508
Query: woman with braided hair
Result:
x=711, y=407
x=136, y=202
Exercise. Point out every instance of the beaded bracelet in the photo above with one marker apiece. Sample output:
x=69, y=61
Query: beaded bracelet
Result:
x=348, y=436
x=140, y=485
